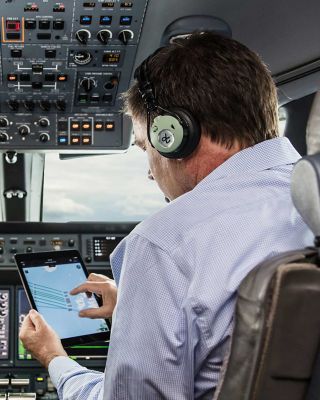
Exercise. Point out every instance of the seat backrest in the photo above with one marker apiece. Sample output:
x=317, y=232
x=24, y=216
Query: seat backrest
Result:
x=277, y=331
x=276, y=339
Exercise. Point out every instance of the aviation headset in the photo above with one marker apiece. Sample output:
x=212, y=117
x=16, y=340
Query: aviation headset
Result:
x=175, y=133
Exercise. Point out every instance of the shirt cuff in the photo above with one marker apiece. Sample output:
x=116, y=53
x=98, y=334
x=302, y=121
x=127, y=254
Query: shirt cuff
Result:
x=59, y=366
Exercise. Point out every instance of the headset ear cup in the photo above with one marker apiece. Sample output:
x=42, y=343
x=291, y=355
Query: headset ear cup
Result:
x=175, y=134
x=166, y=134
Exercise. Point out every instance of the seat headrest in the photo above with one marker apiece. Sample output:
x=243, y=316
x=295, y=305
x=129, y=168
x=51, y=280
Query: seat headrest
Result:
x=305, y=191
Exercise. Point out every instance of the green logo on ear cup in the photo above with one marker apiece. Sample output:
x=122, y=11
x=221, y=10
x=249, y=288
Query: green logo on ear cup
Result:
x=166, y=133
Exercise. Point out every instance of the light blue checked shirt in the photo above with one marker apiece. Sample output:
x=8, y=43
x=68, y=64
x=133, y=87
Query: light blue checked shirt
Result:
x=178, y=273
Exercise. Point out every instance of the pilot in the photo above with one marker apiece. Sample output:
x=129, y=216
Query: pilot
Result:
x=204, y=109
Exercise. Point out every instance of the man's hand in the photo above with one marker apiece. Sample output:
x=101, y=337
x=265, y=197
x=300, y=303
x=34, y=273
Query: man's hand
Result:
x=40, y=339
x=101, y=286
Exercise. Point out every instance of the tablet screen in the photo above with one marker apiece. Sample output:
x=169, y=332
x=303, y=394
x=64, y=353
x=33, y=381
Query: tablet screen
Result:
x=50, y=287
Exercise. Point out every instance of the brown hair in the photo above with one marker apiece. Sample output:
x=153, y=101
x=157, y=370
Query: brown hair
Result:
x=220, y=81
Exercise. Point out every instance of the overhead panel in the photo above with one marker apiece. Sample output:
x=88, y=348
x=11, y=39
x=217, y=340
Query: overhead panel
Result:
x=63, y=68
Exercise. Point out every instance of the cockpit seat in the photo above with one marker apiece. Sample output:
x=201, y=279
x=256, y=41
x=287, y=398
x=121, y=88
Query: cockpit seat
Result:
x=275, y=349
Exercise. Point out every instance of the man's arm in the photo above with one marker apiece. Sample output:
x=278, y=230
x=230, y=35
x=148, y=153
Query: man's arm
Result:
x=72, y=381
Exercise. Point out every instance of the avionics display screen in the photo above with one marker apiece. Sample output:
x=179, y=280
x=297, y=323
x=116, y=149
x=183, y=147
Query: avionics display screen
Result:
x=50, y=287
x=4, y=323
x=104, y=246
x=23, y=310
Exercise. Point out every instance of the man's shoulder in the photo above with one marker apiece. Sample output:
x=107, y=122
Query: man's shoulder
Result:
x=212, y=203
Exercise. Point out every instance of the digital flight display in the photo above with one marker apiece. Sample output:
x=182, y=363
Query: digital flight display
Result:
x=23, y=310
x=4, y=323
x=104, y=246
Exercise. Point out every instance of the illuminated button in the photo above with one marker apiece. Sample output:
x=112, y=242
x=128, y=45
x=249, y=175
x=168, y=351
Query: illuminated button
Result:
x=126, y=4
x=58, y=8
x=62, y=140
x=13, y=26
x=75, y=139
x=86, y=140
x=24, y=77
x=62, y=77
x=50, y=77
x=12, y=77
x=37, y=68
x=86, y=126
x=108, y=4
x=31, y=7
x=83, y=98
x=39, y=379
x=58, y=24
x=50, y=53
x=98, y=126
x=75, y=126
x=125, y=20
x=16, y=53
x=110, y=126
x=105, y=20
x=85, y=19
x=44, y=24
x=30, y=24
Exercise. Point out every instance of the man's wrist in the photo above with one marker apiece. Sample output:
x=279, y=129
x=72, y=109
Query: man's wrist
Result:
x=45, y=361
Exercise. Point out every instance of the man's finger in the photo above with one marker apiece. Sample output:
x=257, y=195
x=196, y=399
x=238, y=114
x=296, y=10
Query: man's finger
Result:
x=93, y=287
x=26, y=327
x=91, y=313
x=36, y=319
x=97, y=277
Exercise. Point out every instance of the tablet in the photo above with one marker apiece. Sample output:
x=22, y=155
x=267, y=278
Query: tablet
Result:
x=48, y=278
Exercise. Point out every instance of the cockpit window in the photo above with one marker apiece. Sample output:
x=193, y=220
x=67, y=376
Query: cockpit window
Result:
x=282, y=121
x=100, y=188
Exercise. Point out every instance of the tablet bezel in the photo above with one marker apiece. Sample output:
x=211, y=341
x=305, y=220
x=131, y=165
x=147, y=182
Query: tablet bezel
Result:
x=23, y=259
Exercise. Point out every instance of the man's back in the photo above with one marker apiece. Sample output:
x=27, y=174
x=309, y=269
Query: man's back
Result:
x=177, y=295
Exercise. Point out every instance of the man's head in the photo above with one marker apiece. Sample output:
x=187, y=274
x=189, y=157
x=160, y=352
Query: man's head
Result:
x=221, y=83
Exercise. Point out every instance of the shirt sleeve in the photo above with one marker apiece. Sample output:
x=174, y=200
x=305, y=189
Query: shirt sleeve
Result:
x=74, y=382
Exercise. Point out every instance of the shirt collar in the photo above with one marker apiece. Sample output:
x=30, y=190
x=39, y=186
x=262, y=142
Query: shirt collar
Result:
x=265, y=155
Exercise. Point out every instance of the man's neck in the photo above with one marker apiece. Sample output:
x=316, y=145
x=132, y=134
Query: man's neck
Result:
x=207, y=158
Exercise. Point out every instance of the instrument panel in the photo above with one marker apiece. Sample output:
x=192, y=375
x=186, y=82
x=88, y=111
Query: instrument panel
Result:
x=64, y=66
x=21, y=376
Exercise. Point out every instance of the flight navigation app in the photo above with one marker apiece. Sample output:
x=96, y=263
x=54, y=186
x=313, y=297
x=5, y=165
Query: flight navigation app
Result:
x=50, y=287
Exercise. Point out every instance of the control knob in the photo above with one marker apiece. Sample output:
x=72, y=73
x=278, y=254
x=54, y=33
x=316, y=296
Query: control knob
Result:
x=29, y=105
x=61, y=105
x=125, y=35
x=3, y=138
x=82, y=57
x=44, y=122
x=13, y=105
x=3, y=122
x=104, y=35
x=82, y=35
x=45, y=105
x=24, y=130
x=88, y=84
x=44, y=137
